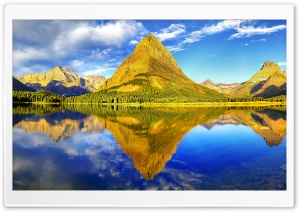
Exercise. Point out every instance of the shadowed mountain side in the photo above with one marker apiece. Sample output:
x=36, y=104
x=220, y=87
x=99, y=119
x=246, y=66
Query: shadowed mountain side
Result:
x=268, y=75
x=62, y=129
x=19, y=86
x=260, y=121
x=274, y=85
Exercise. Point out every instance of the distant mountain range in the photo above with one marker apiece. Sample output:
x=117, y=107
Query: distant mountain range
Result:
x=269, y=81
x=151, y=74
x=63, y=81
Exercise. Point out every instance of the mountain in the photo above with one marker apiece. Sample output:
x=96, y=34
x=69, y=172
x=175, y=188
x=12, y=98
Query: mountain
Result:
x=63, y=81
x=150, y=74
x=93, y=83
x=274, y=85
x=258, y=80
x=19, y=86
x=220, y=87
x=269, y=81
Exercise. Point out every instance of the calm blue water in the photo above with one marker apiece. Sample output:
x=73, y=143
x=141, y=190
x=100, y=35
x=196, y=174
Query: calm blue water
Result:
x=150, y=150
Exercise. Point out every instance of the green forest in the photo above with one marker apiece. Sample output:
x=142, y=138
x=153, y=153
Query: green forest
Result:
x=40, y=96
x=114, y=97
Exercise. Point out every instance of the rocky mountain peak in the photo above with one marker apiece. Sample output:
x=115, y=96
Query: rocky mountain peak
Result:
x=152, y=47
x=269, y=64
x=267, y=69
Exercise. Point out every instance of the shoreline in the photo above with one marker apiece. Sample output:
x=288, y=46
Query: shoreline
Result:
x=192, y=104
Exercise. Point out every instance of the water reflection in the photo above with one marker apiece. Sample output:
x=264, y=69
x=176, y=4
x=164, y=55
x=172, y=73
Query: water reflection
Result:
x=148, y=136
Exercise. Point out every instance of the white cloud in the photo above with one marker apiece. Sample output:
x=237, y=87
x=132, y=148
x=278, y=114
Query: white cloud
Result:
x=262, y=40
x=246, y=44
x=170, y=32
x=98, y=70
x=58, y=40
x=259, y=40
x=100, y=54
x=23, y=55
x=244, y=28
x=77, y=63
x=133, y=42
x=87, y=35
x=193, y=37
x=174, y=48
x=249, y=31
x=222, y=26
x=32, y=69
x=283, y=63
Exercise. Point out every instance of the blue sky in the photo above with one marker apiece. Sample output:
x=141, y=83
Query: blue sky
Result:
x=224, y=51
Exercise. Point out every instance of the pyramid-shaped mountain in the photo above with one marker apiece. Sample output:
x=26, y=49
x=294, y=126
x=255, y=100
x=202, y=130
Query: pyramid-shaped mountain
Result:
x=151, y=71
x=255, y=83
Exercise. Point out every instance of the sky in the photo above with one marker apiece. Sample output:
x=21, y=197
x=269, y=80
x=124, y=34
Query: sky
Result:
x=225, y=51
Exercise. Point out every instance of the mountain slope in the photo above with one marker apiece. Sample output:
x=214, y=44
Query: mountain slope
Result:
x=275, y=85
x=150, y=74
x=19, y=86
x=63, y=81
x=253, y=85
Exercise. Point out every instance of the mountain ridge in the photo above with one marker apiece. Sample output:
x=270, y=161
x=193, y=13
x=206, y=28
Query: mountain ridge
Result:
x=63, y=81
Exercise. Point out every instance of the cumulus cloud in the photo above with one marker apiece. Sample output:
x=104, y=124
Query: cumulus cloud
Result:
x=87, y=35
x=38, y=32
x=62, y=40
x=170, y=32
x=22, y=55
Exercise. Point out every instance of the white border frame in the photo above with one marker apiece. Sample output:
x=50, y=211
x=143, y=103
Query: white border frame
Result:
x=147, y=198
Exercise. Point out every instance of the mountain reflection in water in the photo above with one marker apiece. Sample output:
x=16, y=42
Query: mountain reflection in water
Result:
x=148, y=136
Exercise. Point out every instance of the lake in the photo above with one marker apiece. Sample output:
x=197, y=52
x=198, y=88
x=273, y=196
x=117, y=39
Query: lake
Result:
x=81, y=147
